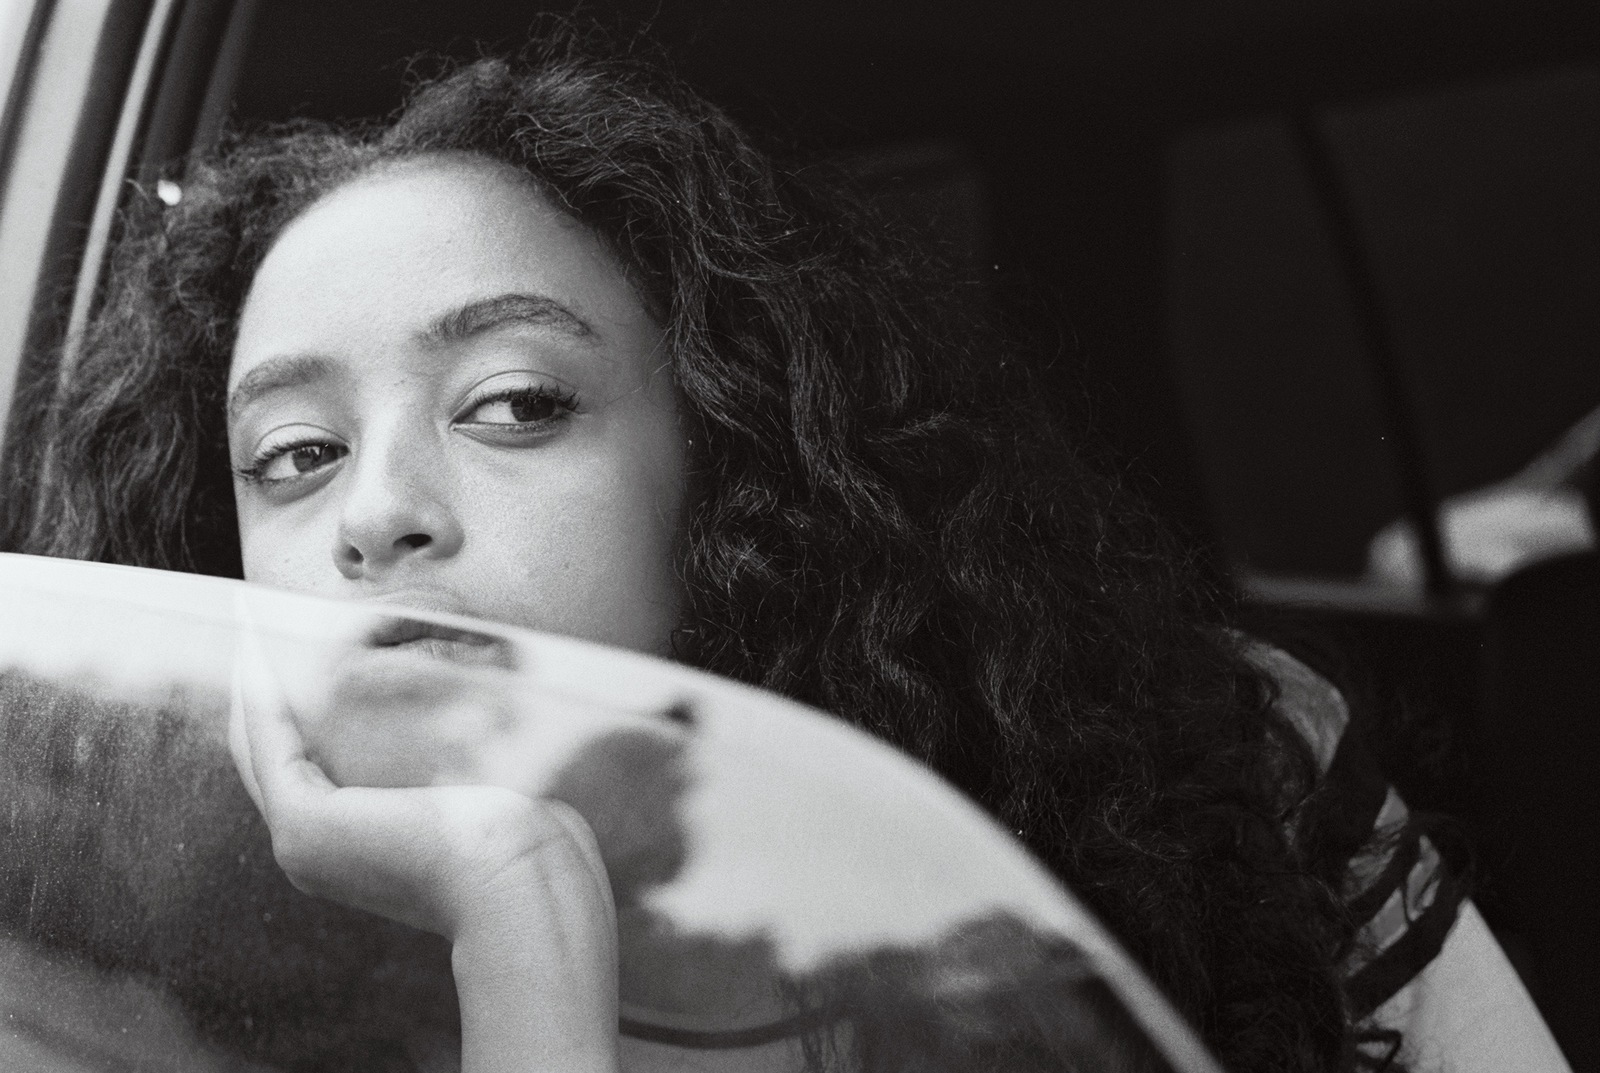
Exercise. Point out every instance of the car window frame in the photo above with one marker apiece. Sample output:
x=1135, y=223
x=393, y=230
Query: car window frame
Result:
x=109, y=98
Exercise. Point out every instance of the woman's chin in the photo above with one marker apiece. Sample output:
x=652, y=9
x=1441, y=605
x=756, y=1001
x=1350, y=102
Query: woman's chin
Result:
x=418, y=713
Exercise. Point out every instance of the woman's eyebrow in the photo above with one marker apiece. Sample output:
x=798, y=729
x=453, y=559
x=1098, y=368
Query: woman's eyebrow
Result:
x=275, y=374
x=489, y=313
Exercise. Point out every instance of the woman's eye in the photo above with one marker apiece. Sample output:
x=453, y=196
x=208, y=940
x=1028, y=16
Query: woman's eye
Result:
x=293, y=460
x=313, y=456
x=532, y=406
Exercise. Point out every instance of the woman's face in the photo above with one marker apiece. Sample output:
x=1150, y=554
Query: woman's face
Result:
x=446, y=394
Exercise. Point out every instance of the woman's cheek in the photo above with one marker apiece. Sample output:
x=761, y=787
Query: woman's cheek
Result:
x=293, y=554
x=596, y=564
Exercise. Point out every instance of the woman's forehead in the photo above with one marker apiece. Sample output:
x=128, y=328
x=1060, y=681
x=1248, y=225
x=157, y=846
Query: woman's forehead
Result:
x=418, y=249
x=459, y=211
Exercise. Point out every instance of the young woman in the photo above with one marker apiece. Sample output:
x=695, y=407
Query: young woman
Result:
x=559, y=347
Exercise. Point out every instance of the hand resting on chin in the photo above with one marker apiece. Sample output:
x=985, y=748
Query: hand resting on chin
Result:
x=516, y=884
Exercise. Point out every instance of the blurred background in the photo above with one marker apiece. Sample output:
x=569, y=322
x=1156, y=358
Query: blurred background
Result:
x=1310, y=269
x=1127, y=180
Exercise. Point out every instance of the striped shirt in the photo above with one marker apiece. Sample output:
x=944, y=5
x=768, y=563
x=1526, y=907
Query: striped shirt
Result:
x=1426, y=980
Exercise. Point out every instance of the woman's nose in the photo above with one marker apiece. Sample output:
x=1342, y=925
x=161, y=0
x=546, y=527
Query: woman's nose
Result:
x=397, y=508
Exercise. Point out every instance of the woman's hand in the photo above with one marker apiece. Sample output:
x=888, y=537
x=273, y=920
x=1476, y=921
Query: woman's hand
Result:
x=515, y=884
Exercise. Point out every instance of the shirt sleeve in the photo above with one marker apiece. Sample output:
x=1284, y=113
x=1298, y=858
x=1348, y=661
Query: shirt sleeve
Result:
x=1425, y=974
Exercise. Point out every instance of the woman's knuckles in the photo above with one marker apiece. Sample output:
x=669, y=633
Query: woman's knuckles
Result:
x=429, y=856
x=494, y=830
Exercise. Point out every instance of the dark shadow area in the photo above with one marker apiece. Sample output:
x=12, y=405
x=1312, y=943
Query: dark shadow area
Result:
x=1066, y=115
x=1535, y=798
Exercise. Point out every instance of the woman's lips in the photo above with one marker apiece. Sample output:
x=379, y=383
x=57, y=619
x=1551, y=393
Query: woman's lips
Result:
x=430, y=639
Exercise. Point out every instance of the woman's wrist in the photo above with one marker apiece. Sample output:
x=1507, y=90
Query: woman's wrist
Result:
x=526, y=1007
x=534, y=956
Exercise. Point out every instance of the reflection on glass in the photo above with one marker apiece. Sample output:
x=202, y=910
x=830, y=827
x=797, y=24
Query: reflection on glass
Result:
x=781, y=881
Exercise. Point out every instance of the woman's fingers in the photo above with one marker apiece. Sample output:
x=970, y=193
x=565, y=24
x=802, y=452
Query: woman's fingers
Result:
x=429, y=857
x=266, y=744
x=248, y=672
x=578, y=830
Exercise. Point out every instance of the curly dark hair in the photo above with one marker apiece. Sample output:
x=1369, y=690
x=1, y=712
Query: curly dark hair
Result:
x=888, y=522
